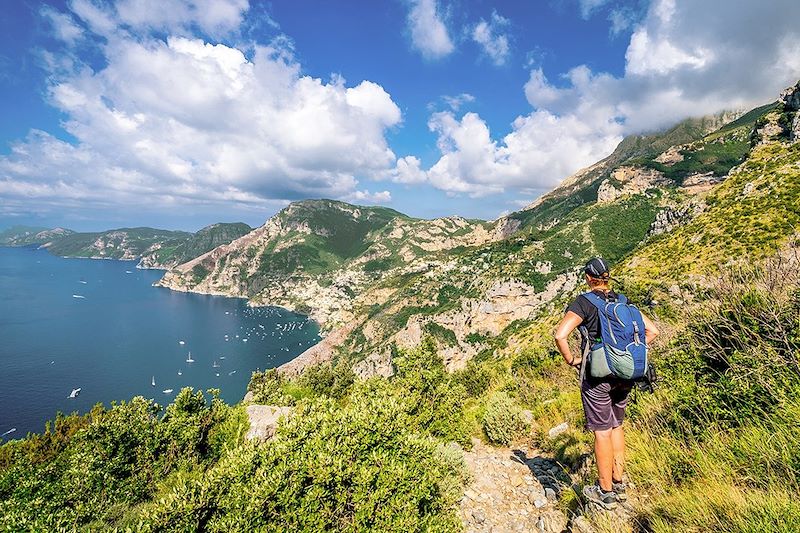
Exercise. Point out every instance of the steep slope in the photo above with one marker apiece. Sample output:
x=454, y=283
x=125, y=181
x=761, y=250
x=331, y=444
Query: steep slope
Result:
x=318, y=255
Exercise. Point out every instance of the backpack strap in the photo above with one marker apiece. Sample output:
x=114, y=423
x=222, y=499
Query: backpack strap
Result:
x=587, y=347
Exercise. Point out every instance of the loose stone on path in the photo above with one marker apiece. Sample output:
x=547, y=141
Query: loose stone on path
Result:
x=505, y=494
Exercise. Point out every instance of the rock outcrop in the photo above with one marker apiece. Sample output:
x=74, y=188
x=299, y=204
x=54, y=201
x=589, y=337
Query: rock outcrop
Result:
x=701, y=182
x=671, y=156
x=503, y=303
x=629, y=180
x=375, y=364
x=264, y=420
x=790, y=98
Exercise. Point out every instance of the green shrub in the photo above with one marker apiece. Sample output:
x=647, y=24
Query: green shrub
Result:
x=741, y=349
x=268, y=388
x=328, y=380
x=353, y=468
x=501, y=421
x=435, y=404
x=474, y=378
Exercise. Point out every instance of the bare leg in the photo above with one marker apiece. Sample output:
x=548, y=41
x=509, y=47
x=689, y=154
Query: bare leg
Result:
x=618, y=443
x=604, y=455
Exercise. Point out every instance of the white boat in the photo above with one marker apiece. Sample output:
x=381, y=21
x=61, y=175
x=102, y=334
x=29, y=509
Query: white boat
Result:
x=189, y=359
x=79, y=296
x=153, y=381
x=128, y=272
x=167, y=391
x=232, y=372
x=180, y=373
x=10, y=431
x=181, y=342
x=74, y=393
x=215, y=365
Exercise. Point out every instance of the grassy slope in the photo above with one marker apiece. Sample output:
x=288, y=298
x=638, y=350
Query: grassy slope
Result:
x=750, y=215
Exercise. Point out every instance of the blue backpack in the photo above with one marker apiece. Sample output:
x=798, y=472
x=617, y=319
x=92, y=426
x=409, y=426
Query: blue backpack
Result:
x=621, y=351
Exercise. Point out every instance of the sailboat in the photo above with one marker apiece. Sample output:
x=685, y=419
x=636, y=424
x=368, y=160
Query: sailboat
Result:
x=215, y=365
x=189, y=359
x=153, y=381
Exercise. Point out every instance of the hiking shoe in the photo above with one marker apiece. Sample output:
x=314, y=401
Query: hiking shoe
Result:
x=619, y=490
x=606, y=500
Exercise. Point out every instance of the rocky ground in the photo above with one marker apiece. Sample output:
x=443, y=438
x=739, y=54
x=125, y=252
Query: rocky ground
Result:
x=511, y=491
x=517, y=489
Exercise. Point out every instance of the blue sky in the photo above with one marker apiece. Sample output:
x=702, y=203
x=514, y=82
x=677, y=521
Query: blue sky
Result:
x=182, y=113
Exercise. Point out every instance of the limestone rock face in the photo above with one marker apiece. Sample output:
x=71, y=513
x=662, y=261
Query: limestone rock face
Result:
x=697, y=183
x=264, y=420
x=632, y=180
x=671, y=156
x=670, y=218
x=790, y=97
x=503, y=303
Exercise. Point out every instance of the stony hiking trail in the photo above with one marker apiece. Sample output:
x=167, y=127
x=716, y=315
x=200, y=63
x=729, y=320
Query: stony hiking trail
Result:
x=518, y=489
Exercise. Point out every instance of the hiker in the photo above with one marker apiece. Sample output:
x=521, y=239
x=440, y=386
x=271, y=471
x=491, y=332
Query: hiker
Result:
x=605, y=398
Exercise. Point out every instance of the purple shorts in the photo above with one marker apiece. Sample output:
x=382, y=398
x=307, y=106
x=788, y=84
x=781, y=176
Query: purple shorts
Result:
x=604, y=402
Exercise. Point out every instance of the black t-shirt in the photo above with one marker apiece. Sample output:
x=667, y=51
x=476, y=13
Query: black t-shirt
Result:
x=582, y=307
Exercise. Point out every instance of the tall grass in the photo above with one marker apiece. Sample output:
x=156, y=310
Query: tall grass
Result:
x=719, y=448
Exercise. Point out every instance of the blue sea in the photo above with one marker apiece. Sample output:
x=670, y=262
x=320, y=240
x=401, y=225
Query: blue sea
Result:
x=100, y=325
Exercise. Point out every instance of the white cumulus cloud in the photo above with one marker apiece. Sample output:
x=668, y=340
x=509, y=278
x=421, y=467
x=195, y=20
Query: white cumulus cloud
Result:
x=492, y=39
x=429, y=34
x=180, y=121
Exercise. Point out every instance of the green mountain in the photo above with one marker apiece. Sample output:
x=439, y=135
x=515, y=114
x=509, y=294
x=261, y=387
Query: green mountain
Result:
x=155, y=248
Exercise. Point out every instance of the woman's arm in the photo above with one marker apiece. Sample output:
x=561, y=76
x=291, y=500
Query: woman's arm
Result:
x=567, y=325
x=650, y=330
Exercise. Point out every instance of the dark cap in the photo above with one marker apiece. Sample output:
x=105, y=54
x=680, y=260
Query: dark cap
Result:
x=597, y=268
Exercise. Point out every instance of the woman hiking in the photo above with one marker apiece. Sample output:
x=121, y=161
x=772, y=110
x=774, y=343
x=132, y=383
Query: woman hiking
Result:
x=604, y=398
